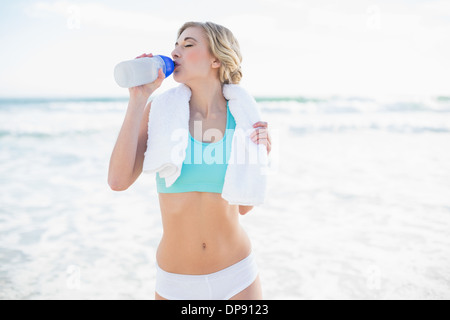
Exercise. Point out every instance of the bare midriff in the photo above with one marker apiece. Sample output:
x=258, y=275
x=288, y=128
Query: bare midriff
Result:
x=201, y=233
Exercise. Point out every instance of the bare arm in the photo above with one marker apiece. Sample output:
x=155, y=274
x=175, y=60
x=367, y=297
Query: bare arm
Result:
x=128, y=154
x=245, y=209
x=127, y=157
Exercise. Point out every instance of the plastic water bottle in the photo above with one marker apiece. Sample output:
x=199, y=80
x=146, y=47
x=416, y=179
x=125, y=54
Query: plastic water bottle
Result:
x=136, y=72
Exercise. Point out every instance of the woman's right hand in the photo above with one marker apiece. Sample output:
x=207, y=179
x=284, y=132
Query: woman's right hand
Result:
x=146, y=90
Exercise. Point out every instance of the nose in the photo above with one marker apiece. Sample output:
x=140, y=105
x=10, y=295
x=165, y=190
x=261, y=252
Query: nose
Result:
x=175, y=54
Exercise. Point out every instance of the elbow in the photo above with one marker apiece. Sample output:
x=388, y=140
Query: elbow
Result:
x=245, y=209
x=117, y=185
x=117, y=188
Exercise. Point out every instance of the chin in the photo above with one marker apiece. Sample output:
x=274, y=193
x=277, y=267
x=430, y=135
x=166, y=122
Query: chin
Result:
x=182, y=80
x=178, y=79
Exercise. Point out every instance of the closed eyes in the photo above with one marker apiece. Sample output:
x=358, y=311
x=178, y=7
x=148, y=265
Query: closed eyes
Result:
x=187, y=38
x=186, y=46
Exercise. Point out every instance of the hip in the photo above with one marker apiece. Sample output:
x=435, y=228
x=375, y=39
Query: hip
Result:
x=223, y=284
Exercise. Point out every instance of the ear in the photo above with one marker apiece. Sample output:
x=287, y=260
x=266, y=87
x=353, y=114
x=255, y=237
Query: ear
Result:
x=216, y=63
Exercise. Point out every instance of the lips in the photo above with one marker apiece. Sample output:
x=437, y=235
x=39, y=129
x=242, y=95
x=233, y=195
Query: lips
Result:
x=176, y=64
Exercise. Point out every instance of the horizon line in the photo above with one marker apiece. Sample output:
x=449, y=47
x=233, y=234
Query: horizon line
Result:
x=258, y=98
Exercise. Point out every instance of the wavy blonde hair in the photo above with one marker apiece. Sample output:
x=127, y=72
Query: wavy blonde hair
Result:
x=223, y=46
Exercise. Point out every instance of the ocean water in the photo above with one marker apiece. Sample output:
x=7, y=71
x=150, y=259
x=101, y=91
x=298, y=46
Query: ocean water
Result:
x=358, y=203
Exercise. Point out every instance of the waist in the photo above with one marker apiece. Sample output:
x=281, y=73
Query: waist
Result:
x=202, y=252
x=201, y=233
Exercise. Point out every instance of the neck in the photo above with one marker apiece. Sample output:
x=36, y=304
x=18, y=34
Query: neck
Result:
x=206, y=98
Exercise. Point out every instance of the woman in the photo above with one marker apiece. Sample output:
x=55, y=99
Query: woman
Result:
x=204, y=253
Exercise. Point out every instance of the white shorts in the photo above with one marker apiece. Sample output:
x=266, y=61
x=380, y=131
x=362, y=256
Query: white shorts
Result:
x=220, y=285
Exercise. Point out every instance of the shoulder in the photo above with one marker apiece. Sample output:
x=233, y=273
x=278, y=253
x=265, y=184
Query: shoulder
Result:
x=179, y=93
x=242, y=104
x=236, y=91
x=171, y=103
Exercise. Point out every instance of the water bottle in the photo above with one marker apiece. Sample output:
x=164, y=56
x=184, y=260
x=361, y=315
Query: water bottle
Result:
x=136, y=72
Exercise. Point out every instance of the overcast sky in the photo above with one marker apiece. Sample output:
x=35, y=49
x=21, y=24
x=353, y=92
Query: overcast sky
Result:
x=290, y=47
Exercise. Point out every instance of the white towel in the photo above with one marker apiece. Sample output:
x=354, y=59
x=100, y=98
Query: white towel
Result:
x=168, y=134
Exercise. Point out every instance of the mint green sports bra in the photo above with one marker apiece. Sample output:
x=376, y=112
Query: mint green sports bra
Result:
x=204, y=167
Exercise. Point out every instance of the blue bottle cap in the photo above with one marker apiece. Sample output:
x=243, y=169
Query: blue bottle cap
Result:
x=170, y=66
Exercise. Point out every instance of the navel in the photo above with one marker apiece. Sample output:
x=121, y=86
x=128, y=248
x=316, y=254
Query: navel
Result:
x=204, y=246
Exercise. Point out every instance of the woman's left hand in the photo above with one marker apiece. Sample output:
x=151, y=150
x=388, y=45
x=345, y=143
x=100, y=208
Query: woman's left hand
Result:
x=261, y=135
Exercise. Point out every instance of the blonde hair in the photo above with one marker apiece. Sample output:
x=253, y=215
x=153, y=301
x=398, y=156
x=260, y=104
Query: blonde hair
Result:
x=223, y=46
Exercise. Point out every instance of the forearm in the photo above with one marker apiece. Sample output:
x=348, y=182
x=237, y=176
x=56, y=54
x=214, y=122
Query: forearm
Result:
x=123, y=156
